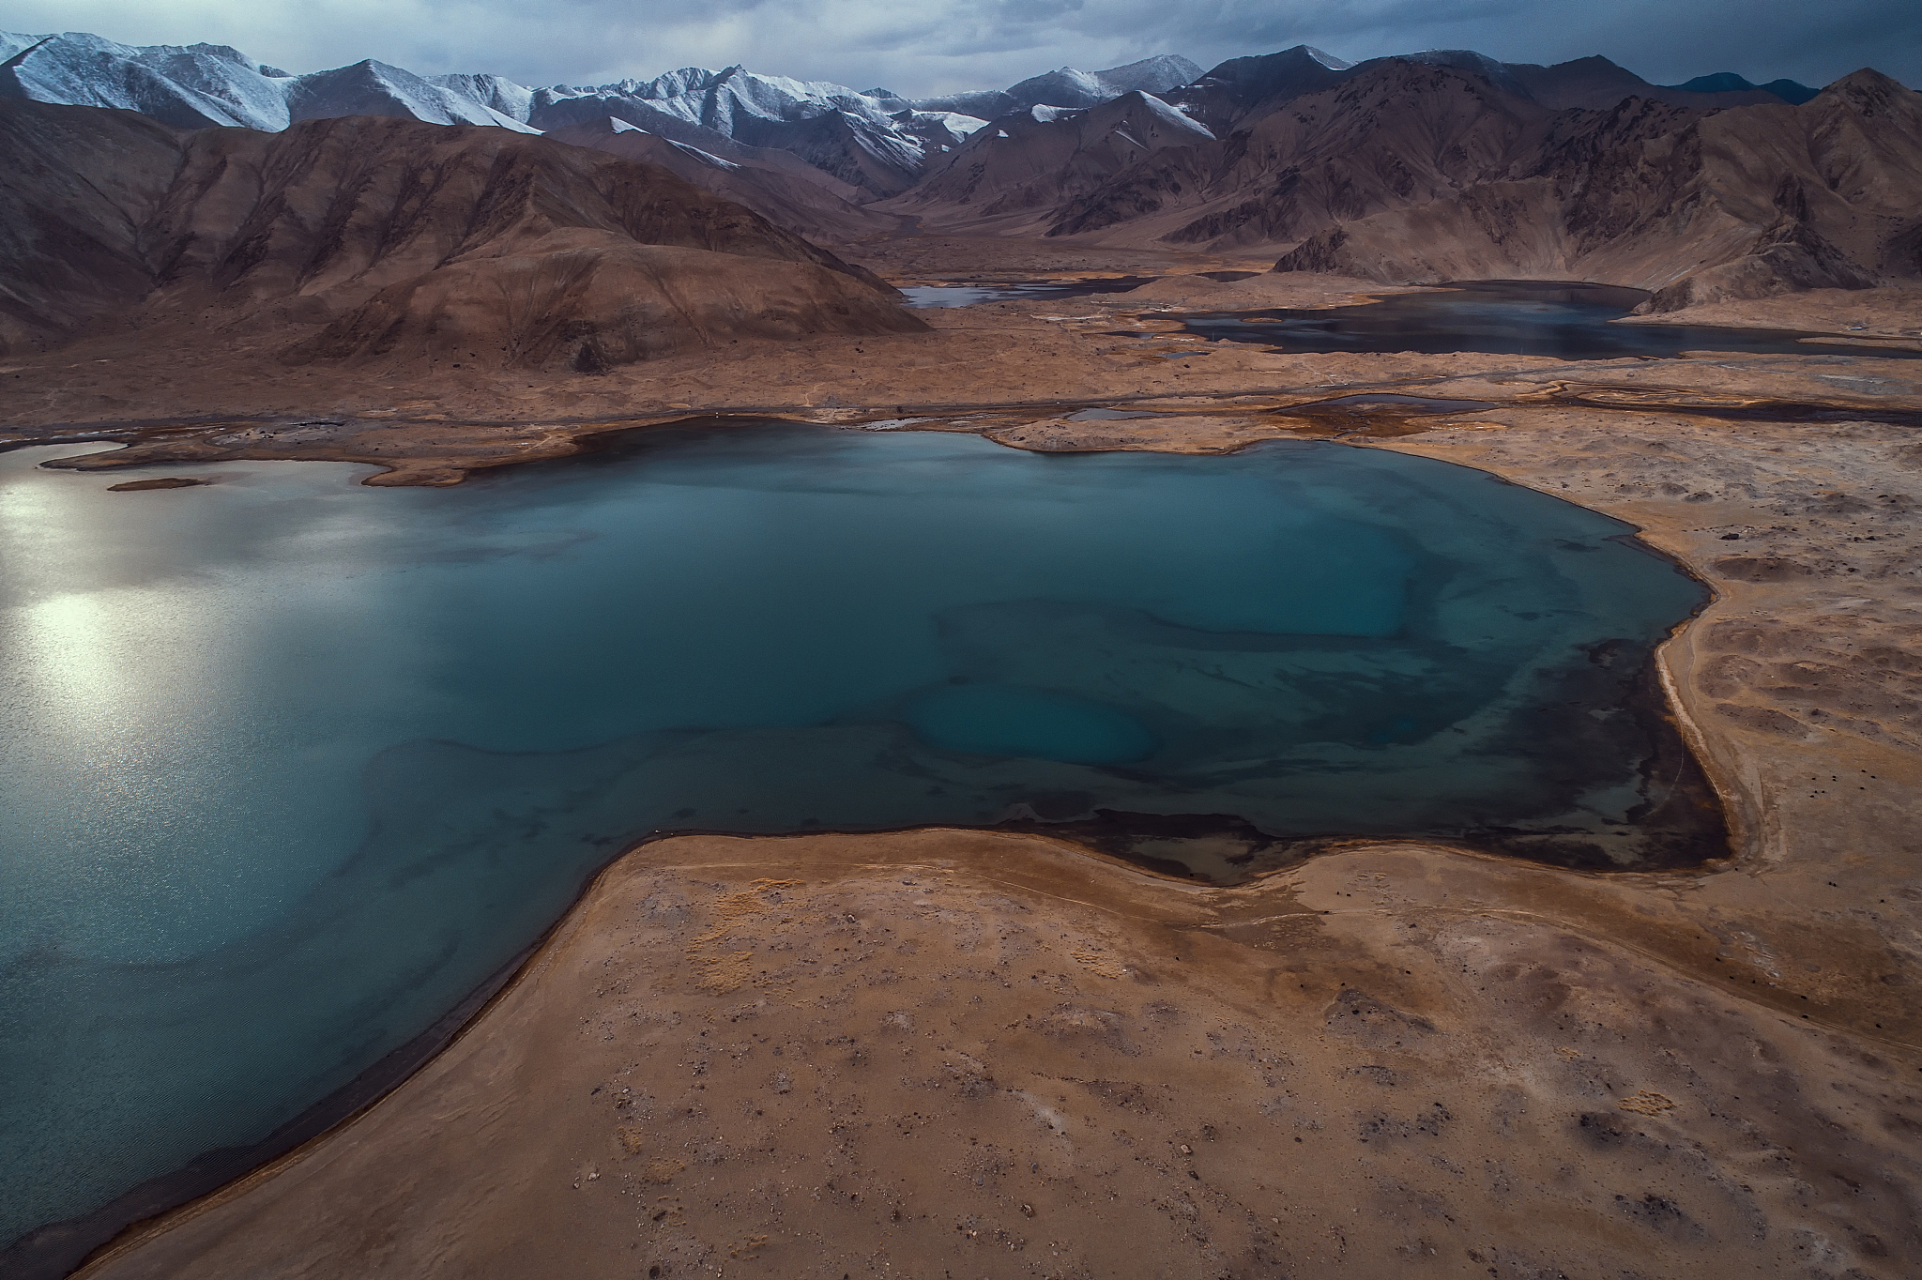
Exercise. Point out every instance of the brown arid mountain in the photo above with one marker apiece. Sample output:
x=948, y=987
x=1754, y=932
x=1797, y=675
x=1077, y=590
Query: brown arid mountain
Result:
x=1597, y=84
x=1241, y=91
x=1011, y=177
x=72, y=196
x=1744, y=203
x=778, y=185
x=1400, y=133
x=1248, y=88
x=394, y=237
x=1415, y=172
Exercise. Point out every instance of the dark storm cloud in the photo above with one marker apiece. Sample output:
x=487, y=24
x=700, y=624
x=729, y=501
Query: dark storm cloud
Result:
x=938, y=45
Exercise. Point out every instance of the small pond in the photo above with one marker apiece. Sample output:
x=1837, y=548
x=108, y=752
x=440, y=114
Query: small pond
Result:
x=294, y=765
x=964, y=294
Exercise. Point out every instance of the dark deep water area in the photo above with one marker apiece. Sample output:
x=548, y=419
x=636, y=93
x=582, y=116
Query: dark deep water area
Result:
x=1504, y=317
x=292, y=766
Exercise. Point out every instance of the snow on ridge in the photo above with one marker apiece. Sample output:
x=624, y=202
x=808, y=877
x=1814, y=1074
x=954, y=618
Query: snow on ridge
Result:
x=1160, y=63
x=377, y=88
x=1175, y=117
x=493, y=92
x=873, y=138
x=225, y=75
x=705, y=157
x=828, y=125
x=959, y=125
x=202, y=85
x=85, y=70
x=1158, y=74
x=696, y=93
x=194, y=86
x=12, y=42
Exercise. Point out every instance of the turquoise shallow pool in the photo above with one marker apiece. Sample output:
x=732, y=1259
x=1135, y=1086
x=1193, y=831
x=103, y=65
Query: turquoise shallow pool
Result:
x=291, y=765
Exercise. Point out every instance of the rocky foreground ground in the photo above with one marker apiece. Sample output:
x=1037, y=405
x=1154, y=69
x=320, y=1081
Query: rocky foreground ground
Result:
x=957, y=1054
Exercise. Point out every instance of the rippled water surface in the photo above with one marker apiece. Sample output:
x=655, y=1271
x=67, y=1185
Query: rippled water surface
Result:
x=292, y=765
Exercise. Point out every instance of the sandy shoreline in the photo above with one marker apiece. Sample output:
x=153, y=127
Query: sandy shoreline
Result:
x=881, y=1054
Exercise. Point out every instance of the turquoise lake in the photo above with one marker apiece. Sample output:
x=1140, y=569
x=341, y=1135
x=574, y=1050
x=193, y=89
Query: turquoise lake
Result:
x=293, y=765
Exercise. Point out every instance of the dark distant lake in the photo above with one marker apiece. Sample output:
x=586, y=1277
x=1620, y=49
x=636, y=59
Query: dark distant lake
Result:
x=1568, y=321
x=293, y=765
x=966, y=294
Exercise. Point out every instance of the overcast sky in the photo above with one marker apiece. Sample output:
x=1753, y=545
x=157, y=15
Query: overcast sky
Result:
x=919, y=47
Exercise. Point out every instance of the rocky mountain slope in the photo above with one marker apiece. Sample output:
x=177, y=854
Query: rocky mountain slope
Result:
x=196, y=86
x=394, y=237
x=1025, y=165
x=1420, y=167
x=1411, y=170
x=1742, y=203
x=1067, y=87
x=776, y=184
x=1789, y=91
x=1243, y=90
x=876, y=140
x=1393, y=133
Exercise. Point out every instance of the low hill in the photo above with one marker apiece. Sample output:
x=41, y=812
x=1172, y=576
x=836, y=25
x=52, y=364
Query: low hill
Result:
x=396, y=237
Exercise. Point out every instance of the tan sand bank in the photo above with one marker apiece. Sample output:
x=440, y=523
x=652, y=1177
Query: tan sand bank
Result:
x=962, y=1053
x=1889, y=311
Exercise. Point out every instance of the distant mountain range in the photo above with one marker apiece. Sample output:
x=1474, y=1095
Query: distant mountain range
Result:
x=1417, y=172
x=875, y=140
x=243, y=192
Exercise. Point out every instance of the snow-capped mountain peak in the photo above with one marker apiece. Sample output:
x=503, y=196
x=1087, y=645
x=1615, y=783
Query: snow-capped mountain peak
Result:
x=12, y=43
x=202, y=85
x=871, y=138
